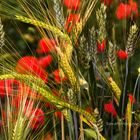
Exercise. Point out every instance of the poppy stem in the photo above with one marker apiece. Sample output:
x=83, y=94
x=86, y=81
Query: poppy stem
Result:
x=75, y=125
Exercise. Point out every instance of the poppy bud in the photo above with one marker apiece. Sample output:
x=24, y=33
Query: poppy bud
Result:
x=122, y=55
x=131, y=98
x=101, y=47
x=108, y=107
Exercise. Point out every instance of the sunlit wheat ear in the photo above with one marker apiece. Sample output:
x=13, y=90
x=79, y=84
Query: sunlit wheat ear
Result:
x=17, y=131
x=132, y=39
x=38, y=23
x=116, y=90
x=65, y=65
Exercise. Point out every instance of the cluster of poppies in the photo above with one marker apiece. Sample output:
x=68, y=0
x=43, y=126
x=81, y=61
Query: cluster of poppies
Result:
x=126, y=10
x=37, y=67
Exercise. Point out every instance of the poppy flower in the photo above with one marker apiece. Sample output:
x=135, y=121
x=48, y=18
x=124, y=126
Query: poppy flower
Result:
x=16, y=102
x=109, y=108
x=58, y=114
x=71, y=21
x=107, y=2
x=101, y=46
x=7, y=87
x=4, y=115
x=29, y=64
x=37, y=118
x=44, y=62
x=23, y=93
x=123, y=11
x=134, y=7
x=46, y=45
x=131, y=98
x=72, y=4
x=58, y=77
x=122, y=54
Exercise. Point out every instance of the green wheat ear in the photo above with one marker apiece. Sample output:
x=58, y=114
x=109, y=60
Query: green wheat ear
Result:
x=41, y=24
x=17, y=131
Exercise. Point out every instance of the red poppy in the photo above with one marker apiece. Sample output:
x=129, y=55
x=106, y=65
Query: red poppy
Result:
x=101, y=46
x=7, y=87
x=58, y=114
x=131, y=98
x=4, y=115
x=16, y=102
x=122, y=54
x=134, y=7
x=107, y=2
x=38, y=118
x=57, y=76
x=72, y=4
x=108, y=107
x=2, y=88
x=46, y=45
x=123, y=11
x=23, y=94
x=71, y=21
x=44, y=62
x=29, y=64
